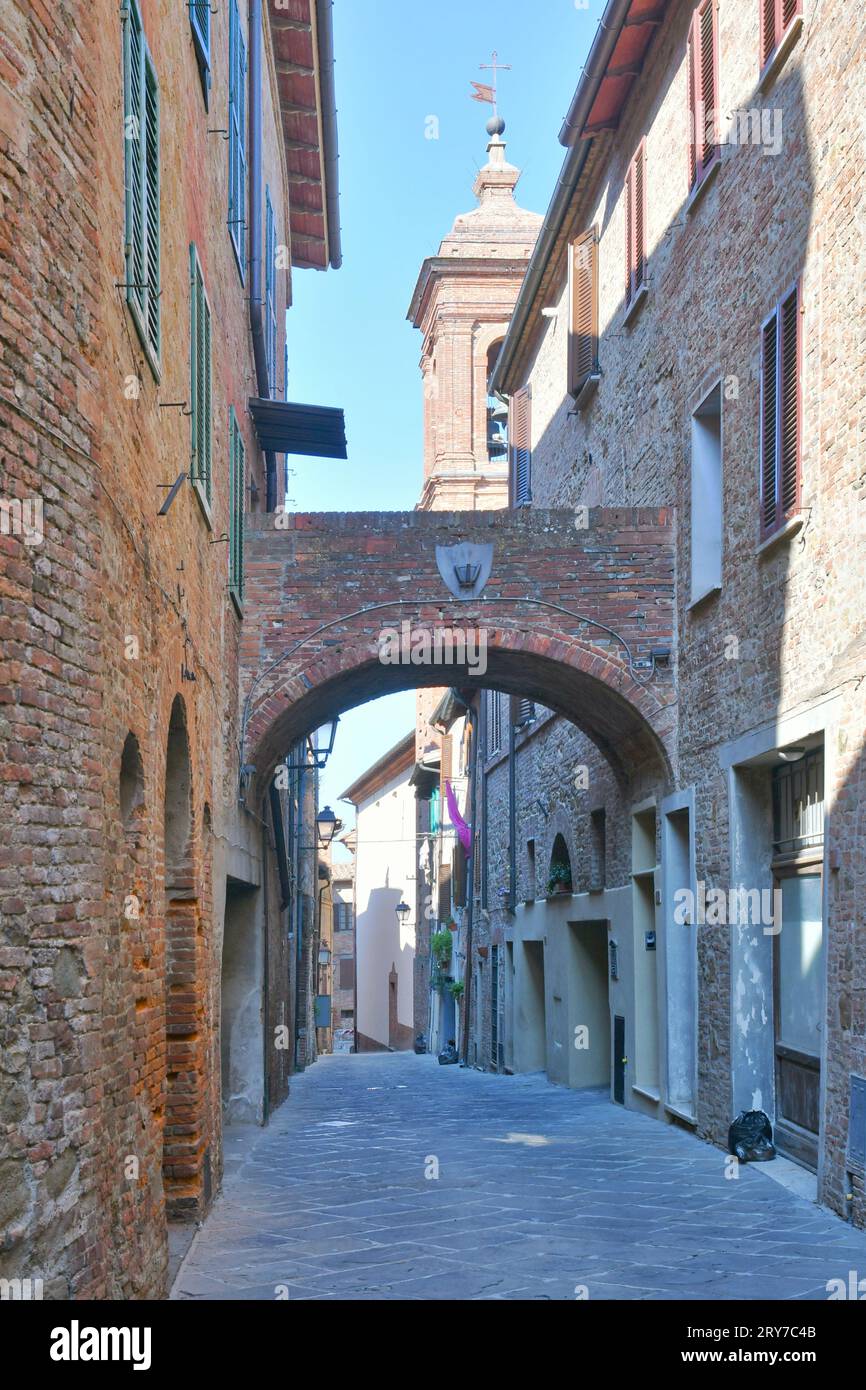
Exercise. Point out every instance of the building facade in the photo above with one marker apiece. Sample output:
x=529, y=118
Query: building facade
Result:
x=384, y=960
x=163, y=169
x=690, y=931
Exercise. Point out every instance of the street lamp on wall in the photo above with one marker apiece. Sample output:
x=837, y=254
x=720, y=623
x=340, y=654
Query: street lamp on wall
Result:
x=320, y=749
x=402, y=910
x=327, y=826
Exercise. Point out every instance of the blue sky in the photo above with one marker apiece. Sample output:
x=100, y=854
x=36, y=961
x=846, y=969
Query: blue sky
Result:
x=398, y=62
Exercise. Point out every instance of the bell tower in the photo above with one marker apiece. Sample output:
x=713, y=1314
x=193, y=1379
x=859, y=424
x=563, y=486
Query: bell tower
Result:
x=462, y=304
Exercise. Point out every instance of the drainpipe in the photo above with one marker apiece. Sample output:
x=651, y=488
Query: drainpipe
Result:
x=257, y=314
x=470, y=887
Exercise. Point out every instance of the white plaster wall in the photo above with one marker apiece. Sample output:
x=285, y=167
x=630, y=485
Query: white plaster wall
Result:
x=385, y=876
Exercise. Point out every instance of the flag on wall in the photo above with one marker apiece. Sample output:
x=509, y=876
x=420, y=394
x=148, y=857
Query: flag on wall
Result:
x=464, y=834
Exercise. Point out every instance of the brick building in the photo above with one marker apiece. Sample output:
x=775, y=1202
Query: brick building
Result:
x=162, y=169
x=687, y=336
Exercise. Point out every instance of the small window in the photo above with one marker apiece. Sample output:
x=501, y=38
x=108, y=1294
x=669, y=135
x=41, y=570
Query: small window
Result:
x=201, y=384
x=237, y=137
x=270, y=294
x=141, y=146
x=237, y=482
x=706, y=498
x=199, y=19
x=703, y=77
x=777, y=16
x=583, y=312
x=520, y=447
x=635, y=225
x=598, y=848
x=347, y=972
x=497, y=414
x=525, y=714
x=494, y=722
x=780, y=414
x=131, y=782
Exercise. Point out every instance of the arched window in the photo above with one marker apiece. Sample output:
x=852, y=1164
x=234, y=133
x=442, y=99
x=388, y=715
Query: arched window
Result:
x=559, y=873
x=131, y=782
x=177, y=814
x=497, y=414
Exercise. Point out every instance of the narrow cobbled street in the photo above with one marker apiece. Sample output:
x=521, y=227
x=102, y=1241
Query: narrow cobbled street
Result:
x=542, y=1193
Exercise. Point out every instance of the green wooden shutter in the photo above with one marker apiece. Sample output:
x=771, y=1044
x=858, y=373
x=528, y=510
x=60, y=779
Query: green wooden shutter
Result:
x=237, y=481
x=199, y=18
x=237, y=136
x=270, y=294
x=201, y=379
x=142, y=175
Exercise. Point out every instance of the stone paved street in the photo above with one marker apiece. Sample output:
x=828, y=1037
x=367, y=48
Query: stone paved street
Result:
x=540, y=1190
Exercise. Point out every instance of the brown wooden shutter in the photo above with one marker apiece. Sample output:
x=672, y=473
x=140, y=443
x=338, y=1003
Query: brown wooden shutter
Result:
x=693, y=103
x=790, y=10
x=768, y=29
x=709, y=83
x=703, y=73
x=520, y=440
x=640, y=217
x=347, y=972
x=789, y=405
x=780, y=414
x=583, y=335
x=769, y=362
x=635, y=224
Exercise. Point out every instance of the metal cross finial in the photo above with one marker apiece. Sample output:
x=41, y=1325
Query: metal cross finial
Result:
x=495, y=66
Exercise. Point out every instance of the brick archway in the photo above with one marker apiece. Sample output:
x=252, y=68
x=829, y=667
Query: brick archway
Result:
x=575, y=605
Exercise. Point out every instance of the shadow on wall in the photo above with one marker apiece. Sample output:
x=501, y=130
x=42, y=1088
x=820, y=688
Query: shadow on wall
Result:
x=384, y=975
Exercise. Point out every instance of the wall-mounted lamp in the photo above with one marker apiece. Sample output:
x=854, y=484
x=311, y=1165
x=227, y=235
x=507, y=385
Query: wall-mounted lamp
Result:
x=327, y=826
x=324, y=956
x=402, y=910
x=793, y=754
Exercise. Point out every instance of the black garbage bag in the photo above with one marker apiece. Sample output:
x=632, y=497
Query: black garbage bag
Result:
x=750, y=1137
x=420, y=1044
x=448, y=1056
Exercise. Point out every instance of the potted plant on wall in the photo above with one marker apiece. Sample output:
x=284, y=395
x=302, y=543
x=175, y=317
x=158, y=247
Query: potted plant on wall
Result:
x=559, y=879
x=456, y=987
x=441, y=943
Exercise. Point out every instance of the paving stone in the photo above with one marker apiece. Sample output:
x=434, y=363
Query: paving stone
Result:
x=616, y=1202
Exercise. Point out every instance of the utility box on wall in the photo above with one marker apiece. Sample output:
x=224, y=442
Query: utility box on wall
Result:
x=323, y=1011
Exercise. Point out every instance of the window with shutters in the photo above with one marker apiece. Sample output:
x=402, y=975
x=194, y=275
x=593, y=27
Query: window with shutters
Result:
x=520, y=448
x=201, y=382
x=635, y=228
x=583, y=371
x=141, y=172
x=703, y=79
x=237, y=483
x=525, y=713
x=237, y=137
x=347, y=972
x=780, y=414
x=270, y=295
x=199, y=19
x=779, y=21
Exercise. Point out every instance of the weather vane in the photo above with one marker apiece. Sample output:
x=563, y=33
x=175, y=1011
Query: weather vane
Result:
x=486, y=91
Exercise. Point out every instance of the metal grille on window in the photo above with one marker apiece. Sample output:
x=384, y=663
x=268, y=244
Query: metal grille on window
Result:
x=798, y=804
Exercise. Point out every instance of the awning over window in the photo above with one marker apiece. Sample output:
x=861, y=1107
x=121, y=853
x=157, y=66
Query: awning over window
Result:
x=283, y=427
